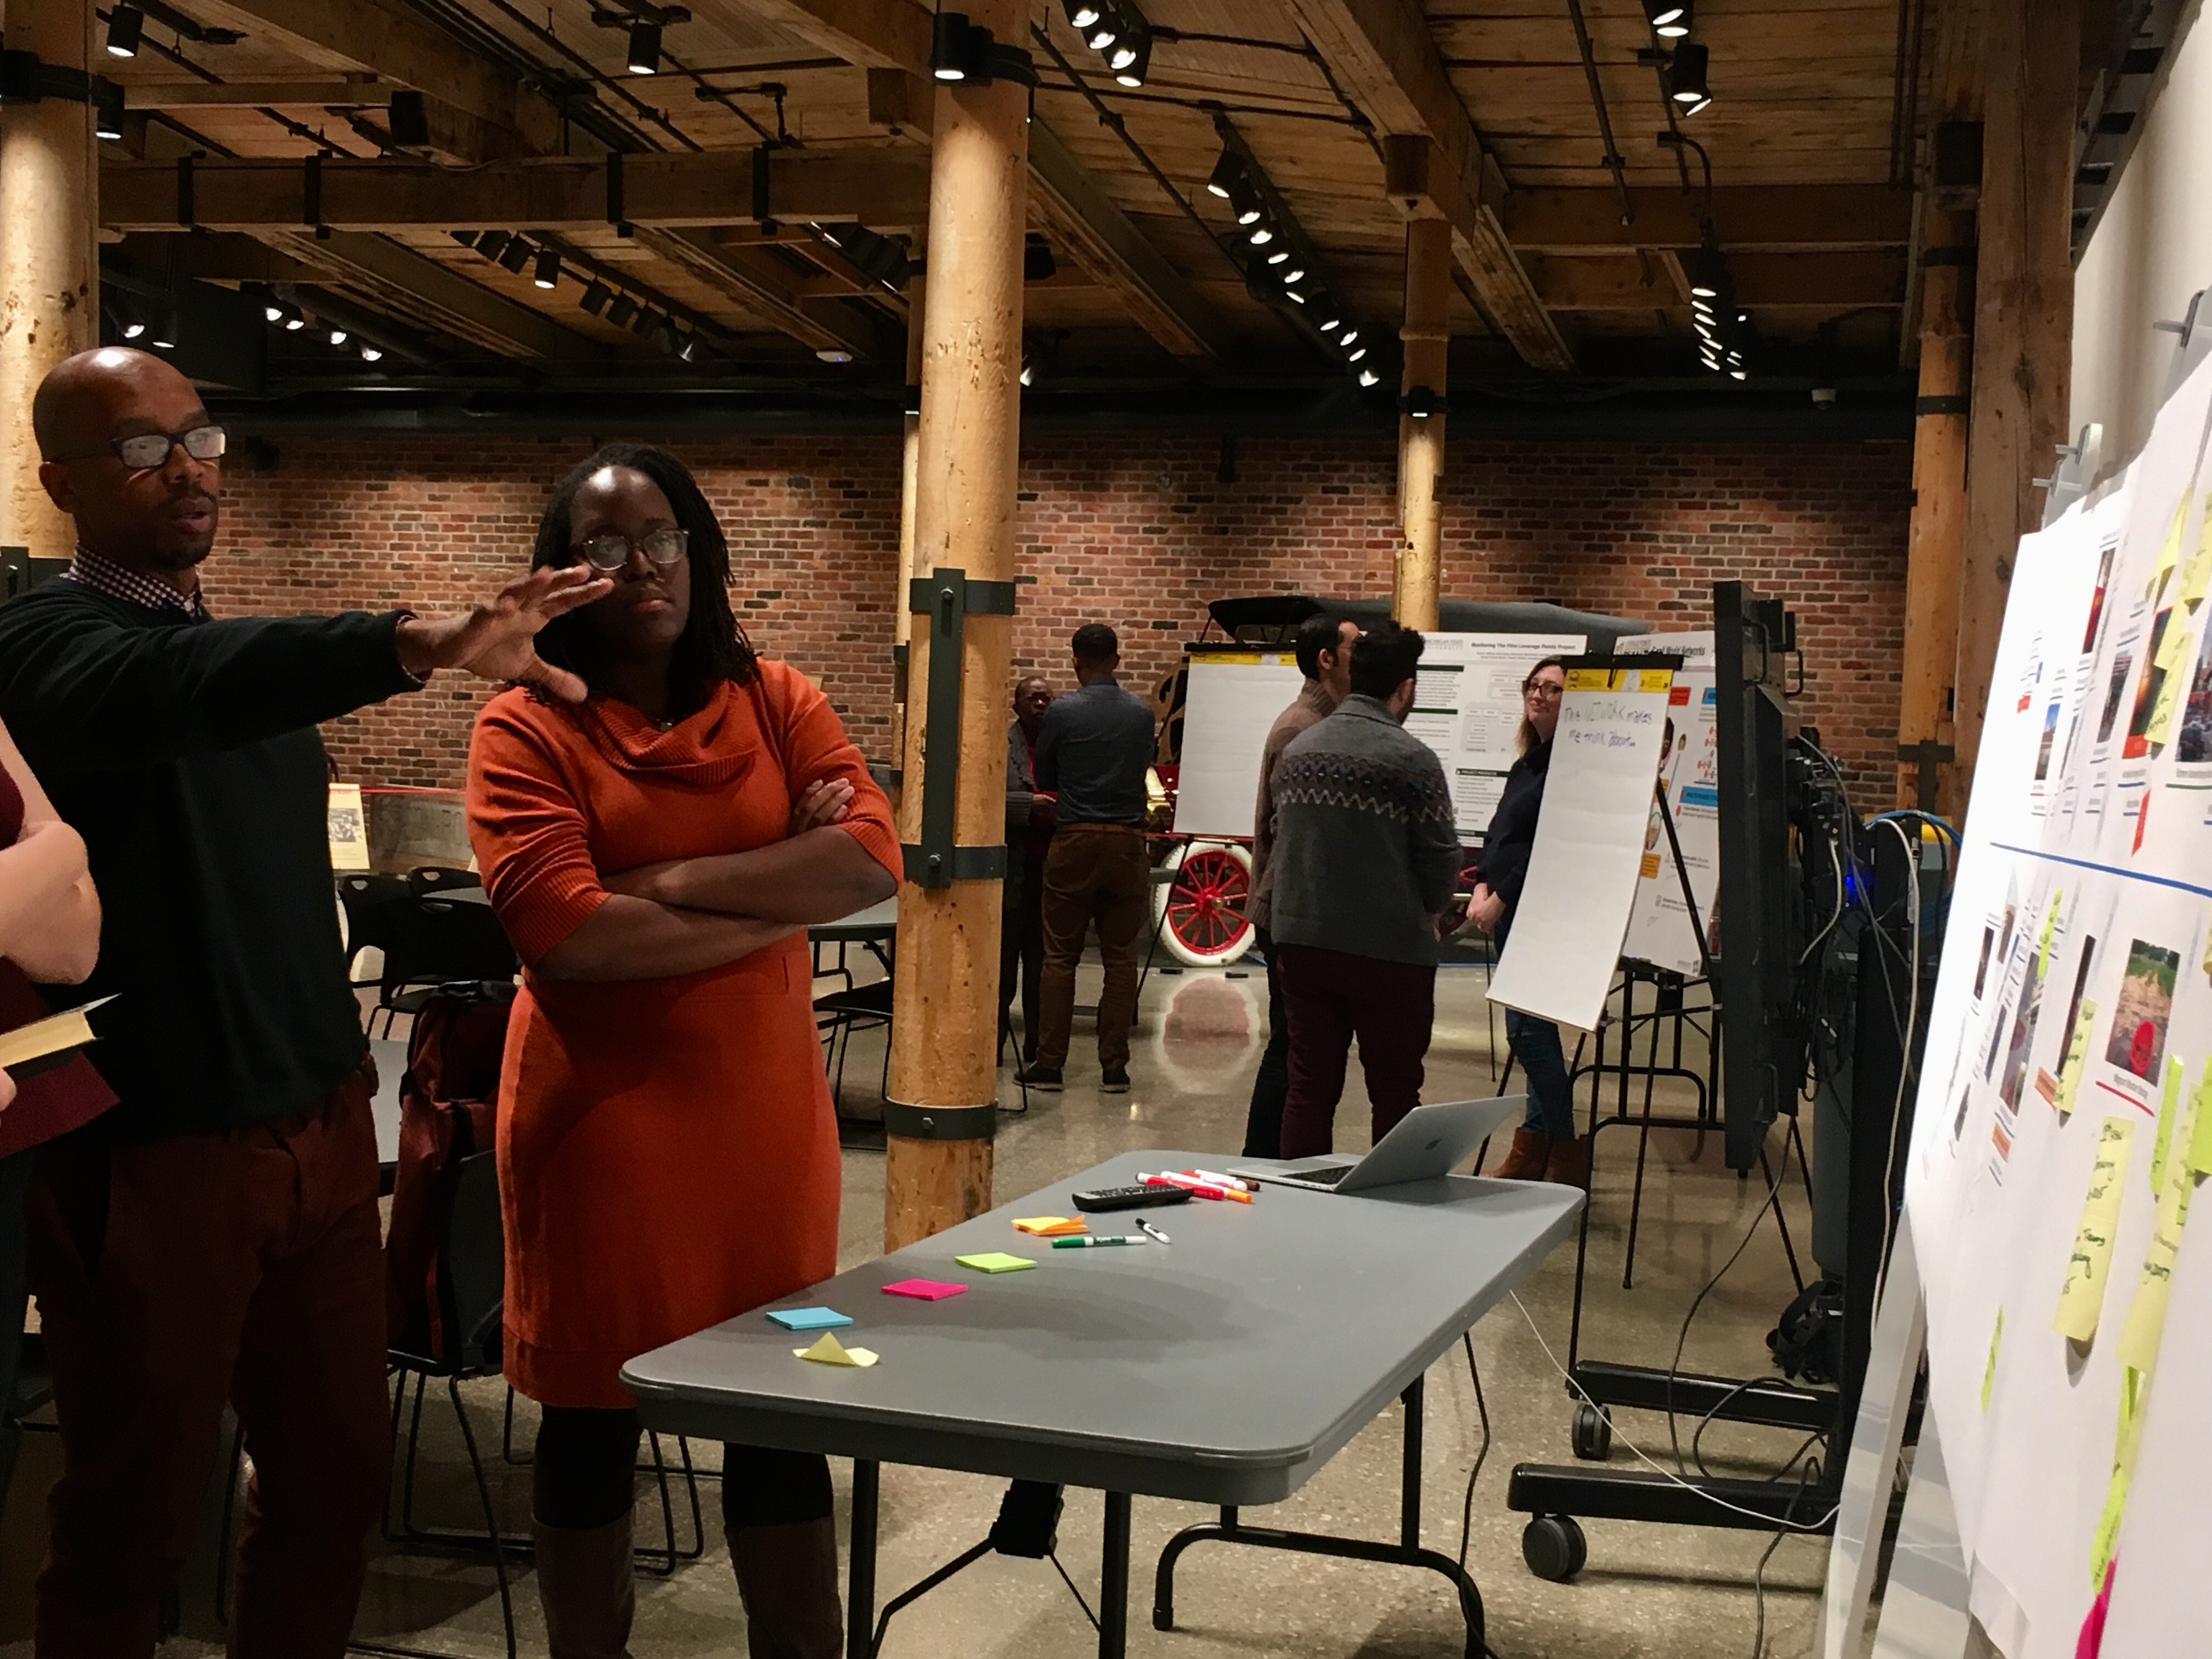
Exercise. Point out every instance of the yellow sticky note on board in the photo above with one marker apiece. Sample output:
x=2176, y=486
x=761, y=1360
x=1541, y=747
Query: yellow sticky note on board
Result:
x=2077, y=1056
x=2146, y=1320
x=2050, y=926
x=2169, y=551
x=2123, y=1466
x=2082, y=1298
x=829, y=1350
x=1989, y=1370
x=2196, y=575
x=2199, y=1138
x=2168, y=1102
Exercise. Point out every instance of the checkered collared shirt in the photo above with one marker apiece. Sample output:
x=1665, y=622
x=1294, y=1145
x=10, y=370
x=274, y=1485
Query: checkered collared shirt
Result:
x=106, y=576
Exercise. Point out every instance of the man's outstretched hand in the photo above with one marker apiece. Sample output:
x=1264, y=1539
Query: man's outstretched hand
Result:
x=496, y=639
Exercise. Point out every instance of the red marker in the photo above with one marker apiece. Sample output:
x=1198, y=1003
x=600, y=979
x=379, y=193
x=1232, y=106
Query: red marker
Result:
x=1196, y=1188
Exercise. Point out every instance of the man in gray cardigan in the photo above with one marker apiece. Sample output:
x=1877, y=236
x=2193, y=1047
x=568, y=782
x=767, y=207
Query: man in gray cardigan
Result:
x=1365, y=858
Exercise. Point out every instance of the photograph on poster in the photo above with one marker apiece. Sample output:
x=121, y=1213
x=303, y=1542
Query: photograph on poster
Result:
x=2122, y=662
x=2097, y=599
x=2023, y=1035
x=1982, y=966
x=2196, y=740
x=2137, y=1043
x=2154, y=676
x=2043, y=749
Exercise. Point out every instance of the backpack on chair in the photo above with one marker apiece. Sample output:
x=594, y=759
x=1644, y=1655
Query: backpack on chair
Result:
x=448, y=1110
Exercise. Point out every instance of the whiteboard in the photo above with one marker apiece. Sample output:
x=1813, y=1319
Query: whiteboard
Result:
x=1567, y=928
x=1661, y=930
x=1232, y=698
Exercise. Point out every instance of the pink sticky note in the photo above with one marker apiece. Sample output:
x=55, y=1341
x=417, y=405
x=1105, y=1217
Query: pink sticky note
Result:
x=924, y=1290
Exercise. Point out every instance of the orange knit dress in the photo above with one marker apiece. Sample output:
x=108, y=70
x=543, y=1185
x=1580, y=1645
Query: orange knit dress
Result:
x=667, y=1152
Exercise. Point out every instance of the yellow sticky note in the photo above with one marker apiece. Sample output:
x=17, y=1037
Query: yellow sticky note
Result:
x=2081, y=1298
x=1655, y=679
x=2169, y=551
x=829, y=1350
x=2173, y=661
x=2123, y=1466
x=1989, y=1370
x=2167, y=1102
x=2146, y=1320
x=995, y=1261
x=2050, y=926
x=2196, y=575
x=2077, y=1056
x=2200, y=1135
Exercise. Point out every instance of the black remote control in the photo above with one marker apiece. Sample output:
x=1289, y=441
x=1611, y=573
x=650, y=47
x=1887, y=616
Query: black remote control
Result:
x=1129, y=1198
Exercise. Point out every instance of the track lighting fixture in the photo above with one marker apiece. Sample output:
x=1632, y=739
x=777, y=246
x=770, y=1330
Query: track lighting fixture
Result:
x=1117, y=32
x=1723, y=326
x=338, y=336
x=1037, y=262
x=833, y=354
x=949, y=46
x=622, y=312
x=643, y=57
x=129, y=322
x=516, y=256
x=273, y=311
x=1369, y=377
x=1102, y=34
x=370, y=354
x=492, y=244
x=595, y=296
x=1081, y=14
x=161, y=329
x=964, y=52
x=1669, y=19
x=687, y=348
x=1685, y=77
x=125, y=25
x=647, y=324
x=106, y=101
x=1133, y=60
x=1226, y=171
x=1260, y=234
x=549, y=268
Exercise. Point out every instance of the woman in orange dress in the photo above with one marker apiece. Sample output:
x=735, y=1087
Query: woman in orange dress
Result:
x=668, y=1154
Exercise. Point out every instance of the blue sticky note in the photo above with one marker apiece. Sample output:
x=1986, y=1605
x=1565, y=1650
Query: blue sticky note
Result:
x=808, y=1319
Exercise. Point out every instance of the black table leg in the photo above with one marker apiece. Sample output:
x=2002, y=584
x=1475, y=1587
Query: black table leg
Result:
x=860, y=1601
x=1114, y=1580
x=1407, y=1552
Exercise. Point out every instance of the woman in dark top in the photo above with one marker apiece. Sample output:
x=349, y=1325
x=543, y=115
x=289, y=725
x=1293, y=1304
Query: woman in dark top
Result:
x=1545, y=1147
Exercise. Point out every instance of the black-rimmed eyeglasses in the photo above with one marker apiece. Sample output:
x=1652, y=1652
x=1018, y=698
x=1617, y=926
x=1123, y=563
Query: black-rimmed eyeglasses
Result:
x=611, y=552
x=144, y=451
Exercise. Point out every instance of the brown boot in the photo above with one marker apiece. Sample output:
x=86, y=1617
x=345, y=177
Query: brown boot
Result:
x=1569, y=1165
x=787, y=1579
x=585, y=1587
x=1525, y=1162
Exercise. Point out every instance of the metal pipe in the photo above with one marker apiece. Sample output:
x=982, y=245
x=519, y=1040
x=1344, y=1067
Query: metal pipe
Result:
x=1615, y=163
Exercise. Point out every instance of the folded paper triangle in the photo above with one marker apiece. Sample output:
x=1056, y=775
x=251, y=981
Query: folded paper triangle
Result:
x=829, y=1350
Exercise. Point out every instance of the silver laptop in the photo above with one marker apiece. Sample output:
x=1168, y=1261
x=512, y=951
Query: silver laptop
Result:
x=1427, y=1142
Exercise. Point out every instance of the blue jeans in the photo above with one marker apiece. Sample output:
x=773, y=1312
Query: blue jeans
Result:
x=1535, y=1044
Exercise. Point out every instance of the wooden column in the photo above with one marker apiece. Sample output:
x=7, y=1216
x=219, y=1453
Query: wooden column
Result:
x=1939, y=504
x=917, y=290
x=946, y=1006
x=2023, y=315
x=1427, y=335
x=49, y=266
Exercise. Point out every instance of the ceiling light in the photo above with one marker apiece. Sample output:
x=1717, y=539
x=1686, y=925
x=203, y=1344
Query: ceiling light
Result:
x=1260, y=235
x=338, y=336
x=1357, y=355
x=1350, y=335
x=128, y=323
x=273, y=310
x=124, y=26
x=834, y=354
x=370, y=354
x=161, y=331
x=623, y=310
x=106, y=101
x=493, y=243
x=1737, y=374
x=690, y=349
x=1329, y=327
x=1686, y=75
x=1279, y=257
x=1293, y=294
x=516, y=256
x=1368, y=377
x=1226, y=170
x=1669, y=19
x=1028, y=373
x=644, y=55
x=549, y=268
x=1103, y=36
x=294, y=323
x=1081, y=14
x=1133, y=64
x=595, y=296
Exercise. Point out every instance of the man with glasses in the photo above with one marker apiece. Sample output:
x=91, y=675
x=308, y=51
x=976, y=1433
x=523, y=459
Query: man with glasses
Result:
x=215, y=1236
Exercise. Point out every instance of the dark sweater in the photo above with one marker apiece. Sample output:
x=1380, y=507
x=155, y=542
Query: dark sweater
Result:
x=185, y=754
x=1503, y=865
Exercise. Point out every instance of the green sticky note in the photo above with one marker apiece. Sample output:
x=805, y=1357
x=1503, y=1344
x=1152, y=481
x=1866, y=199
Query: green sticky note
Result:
x=1989, y=1370
x=995, y=1261
x=2200, y=1139
x=2171, y=1099
x=2050, y=924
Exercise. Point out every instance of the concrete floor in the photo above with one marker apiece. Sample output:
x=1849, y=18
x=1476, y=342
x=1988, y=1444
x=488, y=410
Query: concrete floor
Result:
x=1646, y=1590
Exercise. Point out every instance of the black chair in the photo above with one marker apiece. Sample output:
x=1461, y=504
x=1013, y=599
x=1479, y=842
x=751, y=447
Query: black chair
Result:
x=367, y=900
x=838, y=1014
x=432, y=942
x=426, y=880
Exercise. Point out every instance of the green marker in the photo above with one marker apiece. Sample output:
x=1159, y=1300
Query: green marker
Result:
x=1090, y=1240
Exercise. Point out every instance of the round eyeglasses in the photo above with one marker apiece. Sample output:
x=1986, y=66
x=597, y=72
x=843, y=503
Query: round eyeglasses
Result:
x=144, y=451
x=611, y=552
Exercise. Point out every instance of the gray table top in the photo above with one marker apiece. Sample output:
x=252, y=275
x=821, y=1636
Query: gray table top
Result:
x=878, y=922
x=1225, y=1368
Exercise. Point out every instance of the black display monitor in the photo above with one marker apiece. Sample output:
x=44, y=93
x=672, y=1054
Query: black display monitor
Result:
x=1761, y=927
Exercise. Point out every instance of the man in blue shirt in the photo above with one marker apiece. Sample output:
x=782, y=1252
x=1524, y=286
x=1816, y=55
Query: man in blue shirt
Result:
x=1092, y=752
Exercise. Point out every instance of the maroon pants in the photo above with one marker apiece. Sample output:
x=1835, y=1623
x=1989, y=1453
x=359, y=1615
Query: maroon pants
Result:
x=1331, y=997
x=172, y=1275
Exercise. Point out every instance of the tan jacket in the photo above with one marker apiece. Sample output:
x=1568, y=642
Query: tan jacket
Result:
x=1314, y=705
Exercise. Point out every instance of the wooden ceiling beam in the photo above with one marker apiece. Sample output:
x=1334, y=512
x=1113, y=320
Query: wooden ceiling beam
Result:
x=773, y=295
x=1778, y=218
x=318, y=92
x=891, y=40
x=887, y=189
x=1843, y=280
x=1384, y=54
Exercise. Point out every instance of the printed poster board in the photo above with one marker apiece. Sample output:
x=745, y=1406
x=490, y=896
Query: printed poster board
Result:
x=1565, y=943
x=1662, y=930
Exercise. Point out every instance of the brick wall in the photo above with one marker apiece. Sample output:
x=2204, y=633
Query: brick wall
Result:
x=1140, y=531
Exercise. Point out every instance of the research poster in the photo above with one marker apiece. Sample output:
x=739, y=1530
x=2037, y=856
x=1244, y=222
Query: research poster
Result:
x=1232, y=699
x=2063, y=1115
x=1559, y=958
x=1663, y=927
x=1467, y=708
